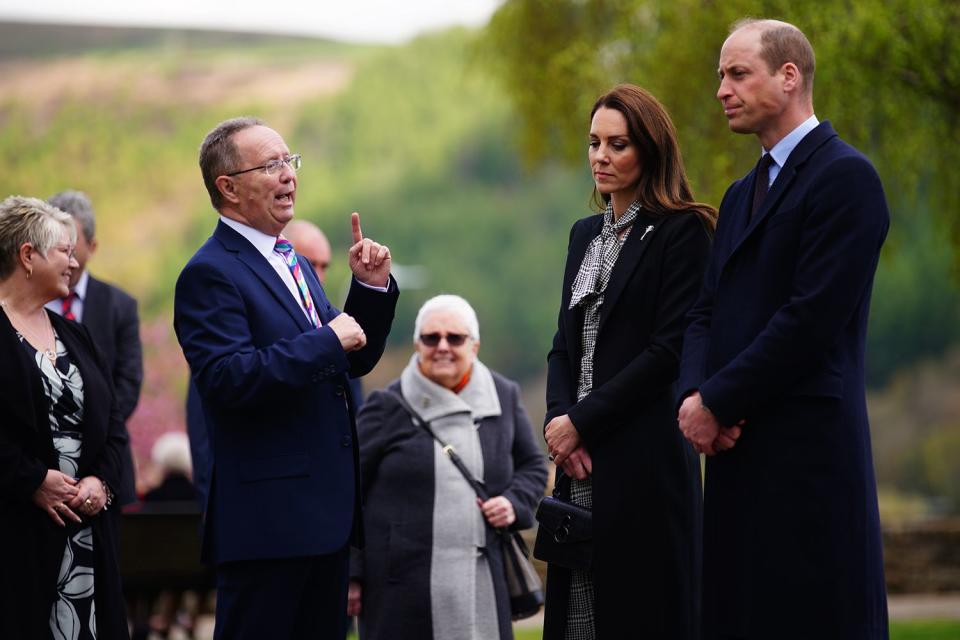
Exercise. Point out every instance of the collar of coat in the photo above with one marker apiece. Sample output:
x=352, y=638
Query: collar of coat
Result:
x=478, y=399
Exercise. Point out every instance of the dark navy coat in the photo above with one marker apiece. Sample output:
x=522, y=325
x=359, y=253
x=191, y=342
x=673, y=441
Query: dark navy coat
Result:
x=791, y=530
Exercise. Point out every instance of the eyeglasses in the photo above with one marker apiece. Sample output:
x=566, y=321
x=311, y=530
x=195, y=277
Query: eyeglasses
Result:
x=274, y=166
x=453, y=339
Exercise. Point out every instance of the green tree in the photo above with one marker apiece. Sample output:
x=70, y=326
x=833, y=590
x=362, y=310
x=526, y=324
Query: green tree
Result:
x=888, y=78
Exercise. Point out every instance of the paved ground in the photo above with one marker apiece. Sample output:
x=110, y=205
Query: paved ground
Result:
x=901, y=607
x=925, y=606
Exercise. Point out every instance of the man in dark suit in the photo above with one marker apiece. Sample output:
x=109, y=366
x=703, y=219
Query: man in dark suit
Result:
x=311, y=242
x=270, y=358
x=772, y=375
x=111, y=316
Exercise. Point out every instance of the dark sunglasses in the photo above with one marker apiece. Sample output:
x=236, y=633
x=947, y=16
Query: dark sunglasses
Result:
x=453, y=339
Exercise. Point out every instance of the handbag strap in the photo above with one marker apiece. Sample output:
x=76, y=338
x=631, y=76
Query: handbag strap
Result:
x=447, y=449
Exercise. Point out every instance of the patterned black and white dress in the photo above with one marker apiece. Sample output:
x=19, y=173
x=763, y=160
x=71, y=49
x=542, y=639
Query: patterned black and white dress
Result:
x=73, y=615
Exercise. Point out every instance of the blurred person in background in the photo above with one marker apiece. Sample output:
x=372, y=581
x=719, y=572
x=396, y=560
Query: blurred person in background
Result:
x=111, y=316
x=310, y=242
x=171, y=457
x=632, y=273
x=61, y=443
x=432, y=566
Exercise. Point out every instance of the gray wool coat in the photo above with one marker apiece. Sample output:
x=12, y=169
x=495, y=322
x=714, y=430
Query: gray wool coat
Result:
x=397, y=484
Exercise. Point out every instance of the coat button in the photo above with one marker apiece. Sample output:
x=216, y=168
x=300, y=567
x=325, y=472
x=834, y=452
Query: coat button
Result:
x=345, y=441
x=338, y=390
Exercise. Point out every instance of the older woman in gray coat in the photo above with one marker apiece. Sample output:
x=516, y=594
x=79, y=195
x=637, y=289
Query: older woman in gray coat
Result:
x=432, y=566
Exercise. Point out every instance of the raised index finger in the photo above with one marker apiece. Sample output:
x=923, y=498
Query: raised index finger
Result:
x=355, y=222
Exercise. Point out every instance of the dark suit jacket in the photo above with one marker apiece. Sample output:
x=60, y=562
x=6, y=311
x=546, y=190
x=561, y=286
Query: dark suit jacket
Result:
x=34, y=542
x=111, y=316
x=777, y=338
x=646, y=477
x=275, y=399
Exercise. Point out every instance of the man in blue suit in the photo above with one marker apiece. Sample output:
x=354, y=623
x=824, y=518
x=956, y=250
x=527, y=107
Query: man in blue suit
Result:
x=270, y=357
x=772, y=374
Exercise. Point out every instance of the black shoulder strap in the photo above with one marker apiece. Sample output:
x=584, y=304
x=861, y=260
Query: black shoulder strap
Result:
x=447, y=448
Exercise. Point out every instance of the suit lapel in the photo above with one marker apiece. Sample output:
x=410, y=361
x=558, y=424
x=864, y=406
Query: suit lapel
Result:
x=630, y=253
x=248, y=255
x=316, y=291
x=94, y=305
x=781, y=186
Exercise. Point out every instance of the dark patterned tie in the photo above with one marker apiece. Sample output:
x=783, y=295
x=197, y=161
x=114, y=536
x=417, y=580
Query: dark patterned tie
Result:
x=66, y=306
x=763, y=182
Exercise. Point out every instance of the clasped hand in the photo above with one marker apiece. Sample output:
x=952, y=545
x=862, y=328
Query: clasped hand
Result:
x=563, y=442
x=702, y=430
x=64, y=497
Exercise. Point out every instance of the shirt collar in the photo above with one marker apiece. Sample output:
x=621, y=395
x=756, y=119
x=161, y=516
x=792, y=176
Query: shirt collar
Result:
x=260, y=241
x=782, y=150
x=81, y=287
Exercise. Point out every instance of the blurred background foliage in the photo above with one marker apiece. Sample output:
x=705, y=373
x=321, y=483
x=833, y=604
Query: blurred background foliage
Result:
x=465, y=152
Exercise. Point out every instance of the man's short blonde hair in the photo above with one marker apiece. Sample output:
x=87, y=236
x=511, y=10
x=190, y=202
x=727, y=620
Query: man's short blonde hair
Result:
x=780, y=43
x=30, y=220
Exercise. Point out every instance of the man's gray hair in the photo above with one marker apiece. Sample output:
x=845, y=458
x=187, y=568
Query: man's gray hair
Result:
x=78, y=205
x=32, y=220
x=219, y=155
x=454, y=304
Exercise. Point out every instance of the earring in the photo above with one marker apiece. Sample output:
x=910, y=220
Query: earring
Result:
x=29, y=273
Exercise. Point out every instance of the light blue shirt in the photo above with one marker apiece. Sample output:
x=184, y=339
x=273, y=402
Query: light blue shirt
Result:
x=782, y=150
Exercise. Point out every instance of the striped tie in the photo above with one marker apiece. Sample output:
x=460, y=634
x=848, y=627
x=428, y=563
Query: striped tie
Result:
x=66, y=306
x=285, y=249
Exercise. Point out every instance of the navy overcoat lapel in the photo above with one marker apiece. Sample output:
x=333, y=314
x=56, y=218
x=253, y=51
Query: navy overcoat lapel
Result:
x=785, y=179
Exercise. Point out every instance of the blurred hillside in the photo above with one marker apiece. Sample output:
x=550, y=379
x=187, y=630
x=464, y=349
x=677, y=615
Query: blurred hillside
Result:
x=431, y=145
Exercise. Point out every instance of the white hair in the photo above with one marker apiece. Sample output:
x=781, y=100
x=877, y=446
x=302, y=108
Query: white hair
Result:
x=171, y=452
x=454, y=304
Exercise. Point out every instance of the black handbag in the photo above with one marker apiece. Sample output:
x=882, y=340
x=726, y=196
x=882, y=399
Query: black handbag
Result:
x=523, y=582
x=565, y=535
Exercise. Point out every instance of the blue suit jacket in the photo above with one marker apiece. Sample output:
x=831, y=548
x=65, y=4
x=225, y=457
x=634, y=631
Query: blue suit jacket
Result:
x=791, y=531
x=275, y=399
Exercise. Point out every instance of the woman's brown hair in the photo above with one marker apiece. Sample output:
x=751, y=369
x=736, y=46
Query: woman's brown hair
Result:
x=662, y=187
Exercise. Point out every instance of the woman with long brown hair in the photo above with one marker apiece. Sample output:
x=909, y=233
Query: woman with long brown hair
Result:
x=632, y=273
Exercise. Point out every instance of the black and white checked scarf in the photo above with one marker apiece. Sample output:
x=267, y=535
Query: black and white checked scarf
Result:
x=591, y=283
x=601, y=255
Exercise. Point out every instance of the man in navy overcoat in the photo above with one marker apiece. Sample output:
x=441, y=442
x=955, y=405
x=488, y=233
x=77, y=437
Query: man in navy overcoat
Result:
x=772, y=373
x=270, y=357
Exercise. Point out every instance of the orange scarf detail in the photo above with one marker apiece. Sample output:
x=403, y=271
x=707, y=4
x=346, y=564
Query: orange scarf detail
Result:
x=463, y=383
